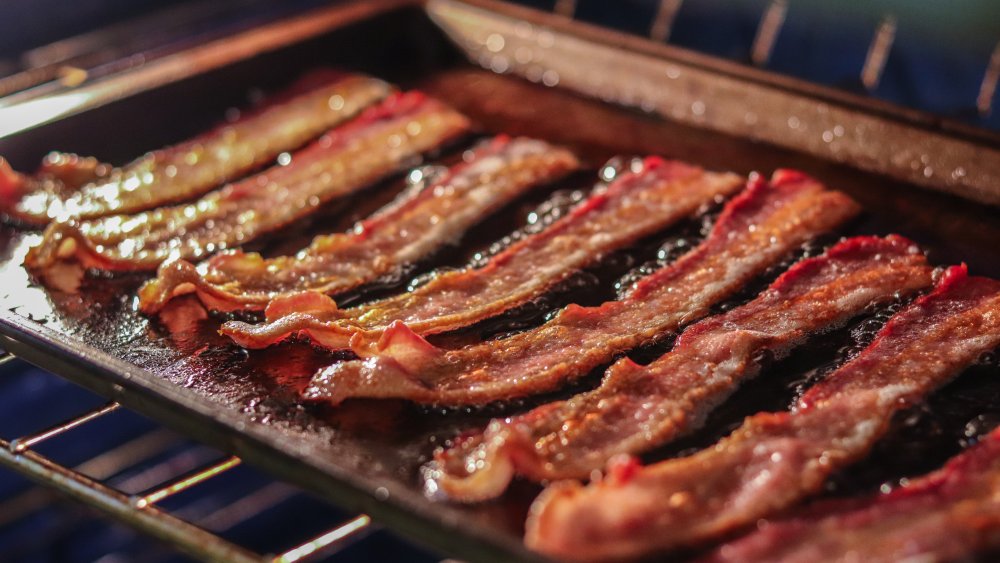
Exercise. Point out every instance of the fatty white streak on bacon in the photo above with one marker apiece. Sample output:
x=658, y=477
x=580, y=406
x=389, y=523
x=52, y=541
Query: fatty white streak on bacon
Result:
x=774, y=460
x=349, y=158
x=756, y=230
x=635, y=205
x=187, y=170
x=423, y=219
x=639, y=407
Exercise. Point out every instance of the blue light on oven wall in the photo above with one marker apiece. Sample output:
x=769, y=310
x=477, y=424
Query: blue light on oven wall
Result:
x=936, y=63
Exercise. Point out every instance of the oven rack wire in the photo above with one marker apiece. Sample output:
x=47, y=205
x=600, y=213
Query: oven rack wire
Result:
x=142, y=511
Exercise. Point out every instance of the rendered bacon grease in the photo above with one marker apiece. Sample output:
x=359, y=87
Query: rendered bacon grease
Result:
x=638, y=203
x=349, y=158
x=422, y=220
x=68, y=186
x=774, y=460
x=949, y=515
x=755, y=230
x=639, y=407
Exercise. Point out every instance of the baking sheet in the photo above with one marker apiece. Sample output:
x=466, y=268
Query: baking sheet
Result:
x=365, y=455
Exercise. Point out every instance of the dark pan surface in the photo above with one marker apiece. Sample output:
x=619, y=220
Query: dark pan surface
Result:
x=365, y=455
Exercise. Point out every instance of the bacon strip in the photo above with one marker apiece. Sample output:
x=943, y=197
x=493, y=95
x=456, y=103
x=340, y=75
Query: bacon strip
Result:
x=635, y=205
x=755, y=230
x=191, y=168
x=775, y=459
x=637, y=408
x=948, y=515
x=419, y=222
x=59, y=176
x=343, y=161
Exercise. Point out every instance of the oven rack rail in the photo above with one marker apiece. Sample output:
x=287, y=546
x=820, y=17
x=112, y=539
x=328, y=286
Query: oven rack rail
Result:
x=142, y=511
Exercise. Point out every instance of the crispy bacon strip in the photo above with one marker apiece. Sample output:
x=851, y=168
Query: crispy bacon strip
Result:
x=419, y=222
x=639, y=407
x=189, y=169
x=948, y=515
x=343, y=161
x=755, y=230
x=774, y=460
x=633, y=206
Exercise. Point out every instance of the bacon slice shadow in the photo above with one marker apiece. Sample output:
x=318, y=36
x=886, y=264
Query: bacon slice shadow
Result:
x=377, y=143
x=82, y=189
x=638, y=407
x=755, y=230
x=420, y=221
x=774, y=460
x=949, y=515
x=635, y=205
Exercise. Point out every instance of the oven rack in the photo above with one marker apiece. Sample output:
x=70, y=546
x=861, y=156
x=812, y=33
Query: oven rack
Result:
x=142, y=511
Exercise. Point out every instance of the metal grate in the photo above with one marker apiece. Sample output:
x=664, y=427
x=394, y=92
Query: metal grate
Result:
x=143, y=511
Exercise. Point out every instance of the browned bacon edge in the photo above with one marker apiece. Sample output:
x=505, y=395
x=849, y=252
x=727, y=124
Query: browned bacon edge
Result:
x=420, y=221
x=774, y=460
x=755, y=230
x=378, y=142
x=949, y=515
x=636, y=204
x=637, y=408
x=68, y=186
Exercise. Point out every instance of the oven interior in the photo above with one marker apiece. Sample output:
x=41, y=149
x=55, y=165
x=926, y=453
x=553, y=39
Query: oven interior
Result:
x=365, y=455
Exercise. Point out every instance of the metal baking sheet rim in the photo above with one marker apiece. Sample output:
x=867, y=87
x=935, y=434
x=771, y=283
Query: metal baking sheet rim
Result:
x=41, y=105
x=867, y=134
